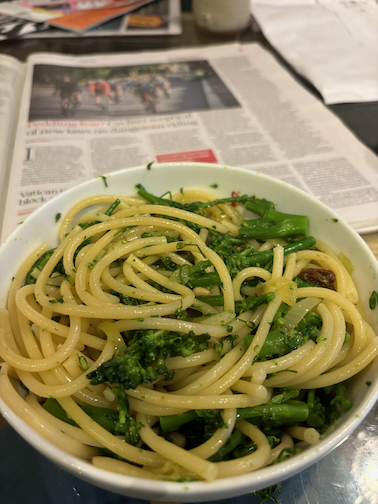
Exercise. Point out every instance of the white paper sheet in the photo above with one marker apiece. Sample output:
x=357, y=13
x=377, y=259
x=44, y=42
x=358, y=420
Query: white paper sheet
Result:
x=333, y=43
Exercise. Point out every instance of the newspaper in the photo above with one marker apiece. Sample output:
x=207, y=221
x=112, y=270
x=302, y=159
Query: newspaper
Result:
x=333, y=43
x=231, y=104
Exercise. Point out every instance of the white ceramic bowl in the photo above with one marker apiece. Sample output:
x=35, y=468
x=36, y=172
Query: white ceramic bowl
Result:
x=41, y=226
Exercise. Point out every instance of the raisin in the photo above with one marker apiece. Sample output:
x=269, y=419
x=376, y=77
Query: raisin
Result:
x=318, y=277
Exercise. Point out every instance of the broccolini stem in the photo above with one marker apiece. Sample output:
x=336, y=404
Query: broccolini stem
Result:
x=240, y=306
x=261, y=258
x=252, y=303
x=258, y=206
x=216, y=300
x=54, y=408
x=190, y=207
x=272, y=224
x=305, y=243
x=105, y=417
x=170, y=423
x=264, y=228
x=206, y=280
x=155, y=200
x=279, y=414
x=232, y=442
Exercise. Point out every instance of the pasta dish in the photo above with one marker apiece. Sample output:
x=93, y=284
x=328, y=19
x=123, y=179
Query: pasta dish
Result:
x=182, y=338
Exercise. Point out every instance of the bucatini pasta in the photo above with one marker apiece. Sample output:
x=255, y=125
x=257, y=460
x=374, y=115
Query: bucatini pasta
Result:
x=166, y=339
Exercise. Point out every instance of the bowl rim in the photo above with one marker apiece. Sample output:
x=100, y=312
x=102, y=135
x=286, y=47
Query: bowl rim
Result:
x=199, y=490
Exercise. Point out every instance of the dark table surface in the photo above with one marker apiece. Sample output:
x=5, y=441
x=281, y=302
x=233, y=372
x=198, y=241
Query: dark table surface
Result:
x=26, y=476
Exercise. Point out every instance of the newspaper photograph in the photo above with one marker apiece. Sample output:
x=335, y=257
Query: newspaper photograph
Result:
x=84, y=117
x=87, y=93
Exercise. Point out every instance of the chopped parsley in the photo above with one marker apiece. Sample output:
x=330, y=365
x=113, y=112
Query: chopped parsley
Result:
x=103, y=177
x=373, y=300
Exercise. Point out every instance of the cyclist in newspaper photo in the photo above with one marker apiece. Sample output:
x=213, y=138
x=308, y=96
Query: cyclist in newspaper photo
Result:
x=100, y=89
x=162, y=85
x=116, y=91
x=70, y=95
x=149, y=89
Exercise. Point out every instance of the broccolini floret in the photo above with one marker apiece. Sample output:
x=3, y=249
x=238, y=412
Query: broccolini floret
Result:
x=144, y=359
x=196, y=275
x=325, y=406
x=126, y=423
x=281, y=340
x=238, y=255
x=272, y=224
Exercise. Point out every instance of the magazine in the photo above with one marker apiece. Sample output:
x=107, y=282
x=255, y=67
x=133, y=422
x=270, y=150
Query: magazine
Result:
x=161, y=17
x=70, y=118
x=68, y=16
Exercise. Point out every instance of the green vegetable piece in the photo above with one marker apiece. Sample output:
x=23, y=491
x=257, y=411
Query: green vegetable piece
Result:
x=216, y=300
x=190, y=207
x=373, y=300
x=144, y=358
x=103, y=177
x=112, y=207
x=281, y=340
x=55, y=409
x=238, y=255
x=83, y=362
x=196, y=276
x=232, y=442
x=290, y=412
x=268, y=494
x=170, y=423
x=39, y=264
x=126, y=423
x=272, y=224
x=287, y=453
x=253, y=302
x=341, y=398
x=325, y=406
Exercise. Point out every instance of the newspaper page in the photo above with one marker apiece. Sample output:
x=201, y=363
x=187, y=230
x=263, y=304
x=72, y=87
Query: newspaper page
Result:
x=333, y=43
x=230, y=104
x=11, y=79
